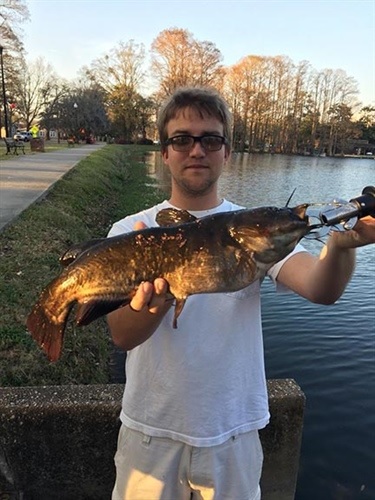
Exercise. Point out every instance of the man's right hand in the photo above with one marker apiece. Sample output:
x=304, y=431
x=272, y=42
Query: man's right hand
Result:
x=150, y=295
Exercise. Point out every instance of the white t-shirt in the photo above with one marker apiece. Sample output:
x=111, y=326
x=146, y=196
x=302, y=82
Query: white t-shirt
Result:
x=204, y=381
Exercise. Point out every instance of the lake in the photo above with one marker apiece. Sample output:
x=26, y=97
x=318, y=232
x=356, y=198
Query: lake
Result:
x=329, y=351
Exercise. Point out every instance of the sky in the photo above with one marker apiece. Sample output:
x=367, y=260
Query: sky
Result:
x=70, y=34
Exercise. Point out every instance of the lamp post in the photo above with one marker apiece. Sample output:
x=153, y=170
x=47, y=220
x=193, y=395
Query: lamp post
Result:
x=56, y=126
x=3, y=90
x=75, y=106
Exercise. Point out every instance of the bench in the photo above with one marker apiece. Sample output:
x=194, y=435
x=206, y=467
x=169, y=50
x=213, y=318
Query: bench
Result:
x=13, y=145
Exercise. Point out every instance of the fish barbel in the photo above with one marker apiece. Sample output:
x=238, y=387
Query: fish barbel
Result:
x=224, y=252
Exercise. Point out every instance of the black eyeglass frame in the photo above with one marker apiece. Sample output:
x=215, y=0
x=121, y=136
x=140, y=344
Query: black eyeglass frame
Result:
x=196, y=138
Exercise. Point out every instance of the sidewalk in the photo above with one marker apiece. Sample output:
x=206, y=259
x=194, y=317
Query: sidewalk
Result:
x=25, y=178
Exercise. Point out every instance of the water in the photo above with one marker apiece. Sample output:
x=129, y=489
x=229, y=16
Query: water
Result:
x=329, y=351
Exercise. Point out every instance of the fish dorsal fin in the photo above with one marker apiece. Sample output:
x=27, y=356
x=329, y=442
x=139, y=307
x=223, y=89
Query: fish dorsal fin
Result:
x=290, y=197
x=174, y=217
x=95, y=308
x=76, y=250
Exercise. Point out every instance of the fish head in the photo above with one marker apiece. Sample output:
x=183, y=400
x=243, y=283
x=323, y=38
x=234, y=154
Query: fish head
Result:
x=291, y=224
x=270, y=233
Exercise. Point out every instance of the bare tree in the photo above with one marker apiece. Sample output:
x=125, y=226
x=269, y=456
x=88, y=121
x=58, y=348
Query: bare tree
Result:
x=121, y=75
x=37, y=83
x=12, y=15
x=179, y=60
x=243, y=87
x=206, y=64
x=342, y=129
x=122, y=67
x=170, y=53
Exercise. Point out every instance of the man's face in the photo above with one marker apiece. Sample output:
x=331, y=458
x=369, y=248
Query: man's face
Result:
x=195, y=172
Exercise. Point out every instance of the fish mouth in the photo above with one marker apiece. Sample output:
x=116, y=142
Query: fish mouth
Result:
x=300, y=211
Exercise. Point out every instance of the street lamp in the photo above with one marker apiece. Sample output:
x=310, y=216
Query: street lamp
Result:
x=3, y=90
x=75, y=106
x=56, y=125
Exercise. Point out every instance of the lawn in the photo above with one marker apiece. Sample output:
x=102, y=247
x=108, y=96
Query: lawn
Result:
x=102, y=188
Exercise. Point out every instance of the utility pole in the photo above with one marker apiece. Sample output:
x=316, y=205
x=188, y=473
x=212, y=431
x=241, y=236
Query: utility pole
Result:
x=4, y=94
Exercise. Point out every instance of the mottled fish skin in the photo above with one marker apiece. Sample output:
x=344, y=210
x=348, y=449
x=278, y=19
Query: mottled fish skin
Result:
x=224, y=252
x=75, y=250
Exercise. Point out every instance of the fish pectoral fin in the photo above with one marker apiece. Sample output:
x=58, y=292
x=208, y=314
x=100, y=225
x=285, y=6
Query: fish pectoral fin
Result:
x=248, y=237
x=173, y=217
x=178, y=310
x=95, y=308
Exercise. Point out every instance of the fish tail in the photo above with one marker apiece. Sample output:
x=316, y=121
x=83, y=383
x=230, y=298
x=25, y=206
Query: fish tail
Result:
x=48, y=334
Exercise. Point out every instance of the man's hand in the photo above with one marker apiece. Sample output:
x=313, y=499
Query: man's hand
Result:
x=362, y=234
x=150, y=295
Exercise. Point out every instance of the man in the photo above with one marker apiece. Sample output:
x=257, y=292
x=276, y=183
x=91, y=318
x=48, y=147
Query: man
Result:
x=196, y=397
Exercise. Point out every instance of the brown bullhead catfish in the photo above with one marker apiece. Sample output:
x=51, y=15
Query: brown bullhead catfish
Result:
x=224, y=252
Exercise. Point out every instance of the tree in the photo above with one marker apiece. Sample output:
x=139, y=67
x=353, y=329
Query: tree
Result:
x=366, y=123
x=121, y=75
x=130, y=114
x=243, y=88
x=146, y=109
x=342, y=129
x=50, y=117
x=12, y=14
x=90, y=111
x=280, y=106
x=78, y=113
x=333, y=87
x=123, y=66
x=206, y=62
x=169, y=63
x=35, y=87
x=177, y=60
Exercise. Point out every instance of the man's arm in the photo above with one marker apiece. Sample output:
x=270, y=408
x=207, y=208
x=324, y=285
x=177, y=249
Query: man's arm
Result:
x=323, y=279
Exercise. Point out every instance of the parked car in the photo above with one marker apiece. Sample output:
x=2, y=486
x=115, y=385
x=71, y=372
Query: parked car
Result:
x=22, y=136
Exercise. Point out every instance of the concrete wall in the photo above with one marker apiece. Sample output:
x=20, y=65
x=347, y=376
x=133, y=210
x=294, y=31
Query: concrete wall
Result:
x=58, y=442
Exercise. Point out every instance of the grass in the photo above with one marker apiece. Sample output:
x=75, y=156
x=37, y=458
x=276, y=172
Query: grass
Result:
x=102, y=188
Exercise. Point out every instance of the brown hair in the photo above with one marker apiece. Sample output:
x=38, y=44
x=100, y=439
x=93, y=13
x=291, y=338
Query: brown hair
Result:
x=203, y=100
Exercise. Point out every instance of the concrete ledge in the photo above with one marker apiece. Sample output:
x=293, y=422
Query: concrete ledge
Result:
x=58, y=442
x=281, y=440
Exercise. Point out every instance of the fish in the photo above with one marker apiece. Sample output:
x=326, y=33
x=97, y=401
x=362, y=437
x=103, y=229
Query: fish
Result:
x=223, y=252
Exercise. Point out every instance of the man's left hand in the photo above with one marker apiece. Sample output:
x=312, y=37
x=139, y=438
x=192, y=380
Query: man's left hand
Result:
x=362, y=234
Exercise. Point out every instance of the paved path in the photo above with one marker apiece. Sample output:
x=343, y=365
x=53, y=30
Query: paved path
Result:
x=25, y=178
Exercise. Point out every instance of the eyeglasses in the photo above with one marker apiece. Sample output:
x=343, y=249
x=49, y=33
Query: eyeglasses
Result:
x=183, y=143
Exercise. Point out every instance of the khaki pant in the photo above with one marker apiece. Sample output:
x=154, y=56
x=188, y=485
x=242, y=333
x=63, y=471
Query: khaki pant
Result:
x=150, y=468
